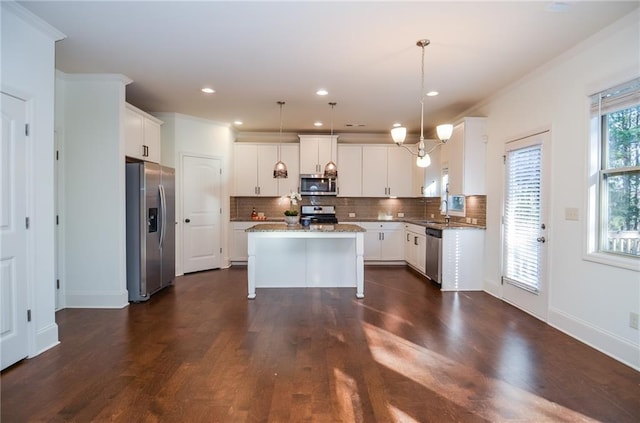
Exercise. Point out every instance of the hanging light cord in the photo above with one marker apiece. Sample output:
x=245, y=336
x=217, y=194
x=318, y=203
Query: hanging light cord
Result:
x=280, y=103
x=421, y=144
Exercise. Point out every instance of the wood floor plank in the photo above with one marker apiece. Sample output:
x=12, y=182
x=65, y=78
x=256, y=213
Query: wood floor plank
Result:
x=201, y=352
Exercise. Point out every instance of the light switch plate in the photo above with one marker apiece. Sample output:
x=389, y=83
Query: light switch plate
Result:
x=400, y=214
x=352, y=215
x=571, y=213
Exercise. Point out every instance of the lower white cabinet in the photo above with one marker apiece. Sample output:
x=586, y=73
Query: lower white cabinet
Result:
x=383, y=241
x=238, y=241
x=415, y=247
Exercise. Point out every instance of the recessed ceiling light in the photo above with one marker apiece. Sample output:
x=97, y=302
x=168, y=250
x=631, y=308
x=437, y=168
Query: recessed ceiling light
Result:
x=395, y=125
x=432, y=93
x=317, y=123
x=322, y=91
x=355, y=125
x=237, y=122
x=208, y=90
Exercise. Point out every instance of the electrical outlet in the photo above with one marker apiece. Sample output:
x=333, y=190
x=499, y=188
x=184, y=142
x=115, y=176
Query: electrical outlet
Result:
x=400, y=214
x=571, y=213
x=432, y=215
x=468, y=220
x=633, y=320
x=474, y=221
x=352, y=215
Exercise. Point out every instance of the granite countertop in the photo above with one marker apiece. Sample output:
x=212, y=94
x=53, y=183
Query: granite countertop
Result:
x=434, y=224
x=281, y=227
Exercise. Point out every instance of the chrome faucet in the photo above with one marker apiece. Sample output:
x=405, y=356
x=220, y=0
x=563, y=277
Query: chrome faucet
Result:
x=447, y=218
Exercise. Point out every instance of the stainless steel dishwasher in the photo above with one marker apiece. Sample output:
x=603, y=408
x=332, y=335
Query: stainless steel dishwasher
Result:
x=434, y=254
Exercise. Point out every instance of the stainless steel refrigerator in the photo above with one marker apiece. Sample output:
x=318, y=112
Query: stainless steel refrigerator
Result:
x=151, y=263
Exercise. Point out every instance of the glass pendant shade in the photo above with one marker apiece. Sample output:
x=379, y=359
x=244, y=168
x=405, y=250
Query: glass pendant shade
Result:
x=331, y=170
x=280, y=170
x=424, y=161
x=399, y=134
x=444, y=132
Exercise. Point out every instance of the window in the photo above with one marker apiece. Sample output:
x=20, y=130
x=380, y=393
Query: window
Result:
x=615, y=172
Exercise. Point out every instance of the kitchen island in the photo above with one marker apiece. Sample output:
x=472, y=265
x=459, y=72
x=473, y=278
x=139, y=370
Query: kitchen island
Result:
x=321, y=256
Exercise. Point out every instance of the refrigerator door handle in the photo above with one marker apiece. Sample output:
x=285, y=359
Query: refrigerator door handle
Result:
x=163, y=208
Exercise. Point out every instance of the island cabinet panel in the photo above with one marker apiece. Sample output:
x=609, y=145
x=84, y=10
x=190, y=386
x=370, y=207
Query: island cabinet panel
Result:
x=415, y=247
x=386, y=171
x=350, y=170
x=464, y=157
x=253, y=170
x=462, y=259
x=383, y=241
x=316, y=151
x=142, y=135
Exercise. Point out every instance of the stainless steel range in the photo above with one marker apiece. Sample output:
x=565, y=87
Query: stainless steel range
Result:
x=319, y=214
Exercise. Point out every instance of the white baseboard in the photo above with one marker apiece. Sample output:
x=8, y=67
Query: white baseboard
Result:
x=97, y=299
x=605, y=342
x=46, y=338
x=492, y=288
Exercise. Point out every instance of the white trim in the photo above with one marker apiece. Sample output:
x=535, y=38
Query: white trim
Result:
x=601, y=340
x=97, y=299
x=94, y=77
x=35, y=21
x=46, y=338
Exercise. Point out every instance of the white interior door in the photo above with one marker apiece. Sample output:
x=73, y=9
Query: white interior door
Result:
x=201, y=213
x=13, y=233
x=524, y=225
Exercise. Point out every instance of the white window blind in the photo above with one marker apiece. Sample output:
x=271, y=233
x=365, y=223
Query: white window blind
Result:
x=523, y=208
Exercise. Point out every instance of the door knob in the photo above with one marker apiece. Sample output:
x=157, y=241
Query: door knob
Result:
x=541, y=239
x=187, y=220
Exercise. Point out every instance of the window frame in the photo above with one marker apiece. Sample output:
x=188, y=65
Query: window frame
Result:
x=598, y=171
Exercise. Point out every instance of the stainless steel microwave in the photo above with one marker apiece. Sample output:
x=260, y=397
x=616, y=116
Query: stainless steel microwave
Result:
x=317, y=184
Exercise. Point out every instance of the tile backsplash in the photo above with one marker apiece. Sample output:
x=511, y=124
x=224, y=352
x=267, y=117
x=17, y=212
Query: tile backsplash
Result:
x=363, y=207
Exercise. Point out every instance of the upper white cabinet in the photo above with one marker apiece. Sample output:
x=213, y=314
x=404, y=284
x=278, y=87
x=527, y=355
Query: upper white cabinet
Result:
x=464, y=156
x=142, y=135
x=386, y=171
x=427, y=181
x=253, y=169
x=316, y=151
x=350, y=170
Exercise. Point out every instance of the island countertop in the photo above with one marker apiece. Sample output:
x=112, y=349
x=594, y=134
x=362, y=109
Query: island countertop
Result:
x=281, y=227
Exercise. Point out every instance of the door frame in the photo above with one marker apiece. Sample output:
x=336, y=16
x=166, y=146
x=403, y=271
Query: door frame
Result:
x=224, y=201
x=536, y=305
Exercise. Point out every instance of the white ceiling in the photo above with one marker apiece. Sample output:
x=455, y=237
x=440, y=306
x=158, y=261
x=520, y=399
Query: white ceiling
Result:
x=256, y=53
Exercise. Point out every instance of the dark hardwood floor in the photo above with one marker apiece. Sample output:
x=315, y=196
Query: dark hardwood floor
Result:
x=201, y=352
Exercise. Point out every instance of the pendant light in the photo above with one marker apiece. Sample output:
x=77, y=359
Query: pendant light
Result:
x=280, y=169
x=331, y=170
x=399, y=133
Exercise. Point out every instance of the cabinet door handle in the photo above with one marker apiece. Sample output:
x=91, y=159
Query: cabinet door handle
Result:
x=187, y=220
x=407, y=237
x=382, y=233
x=415, y=240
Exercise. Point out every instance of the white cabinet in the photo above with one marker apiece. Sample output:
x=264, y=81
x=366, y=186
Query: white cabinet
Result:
x=464, y=157
x=316, y=151
x=386, y=171
x=350, y=170
x=290, y=155
x=238, y=241
x=426, y=181
x=383, y=241
x=142, y=135
x=415, y=247
x=253, y=169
